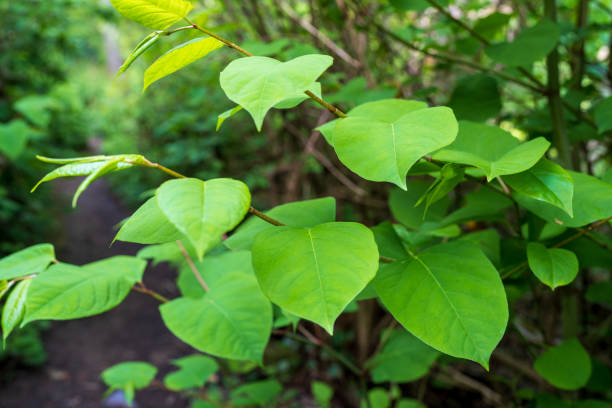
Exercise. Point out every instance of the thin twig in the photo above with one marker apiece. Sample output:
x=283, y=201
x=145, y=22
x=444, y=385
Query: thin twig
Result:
x=264, y=217
x=141, y=288
x=192, y=265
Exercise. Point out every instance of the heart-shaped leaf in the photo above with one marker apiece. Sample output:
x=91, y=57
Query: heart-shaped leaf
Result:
x=149, y=225
x=179, y=57
x=492, y=149
x=232, y=320
x=203, y=210
x=553, y=266
x=259, y=83
x=155, y=14
x=566, y=366
x=315, y=272
x=440, y=295
x=129, y=376
x=193, y=373
x=383, y=144
x=546, y=181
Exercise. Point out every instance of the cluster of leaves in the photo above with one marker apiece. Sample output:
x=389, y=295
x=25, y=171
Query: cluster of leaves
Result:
x=296, y=262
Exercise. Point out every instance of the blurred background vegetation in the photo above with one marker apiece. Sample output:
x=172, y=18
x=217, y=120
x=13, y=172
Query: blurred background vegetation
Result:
x=59, y=98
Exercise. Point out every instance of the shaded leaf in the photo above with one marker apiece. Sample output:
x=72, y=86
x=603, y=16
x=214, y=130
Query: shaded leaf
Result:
x=553, y=266
x=476, y=97
x=566, y=366
x=193, y=373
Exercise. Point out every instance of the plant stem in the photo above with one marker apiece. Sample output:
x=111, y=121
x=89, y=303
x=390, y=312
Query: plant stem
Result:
x=555, y=104
x=192, y=265
x=241, y=50
x=264, y=217
x=142, y=289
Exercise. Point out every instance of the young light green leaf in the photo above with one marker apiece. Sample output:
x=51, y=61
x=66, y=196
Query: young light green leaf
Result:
x=530, y=45
x=14, y=308
x=144, y=45
x=5, y=286
x=14, y=137
x=203, y=210
x=259, y=83
x=592, y=202
x=193, y=373
x=553, y=266
x=72, y=160
x=384, y=144
x=492, y=149
x=149, y=225
x=179, y=57
x=450, y=175
x=476, y=97
x=315, y=272
x=107, y=167
x=566, y=366
x=306, y=213
x=66, y=291
x=439, y=296
x=28, y=261
x=227, y=114
x=322, y=393
x=129, y=376
x=233, y=320
x=546, y=181
x=403, y=358
x=155, y=14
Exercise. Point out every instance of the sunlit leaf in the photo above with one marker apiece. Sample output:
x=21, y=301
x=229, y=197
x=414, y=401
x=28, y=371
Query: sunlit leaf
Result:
x=28, y=261
x=155, y=14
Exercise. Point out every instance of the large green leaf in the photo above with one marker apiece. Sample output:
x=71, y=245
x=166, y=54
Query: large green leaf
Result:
x=28, y=261
x=449, y=296
x=149, y=225
x=203, y=210
x=553, y=266
x=155, y=14
x=404, y=209
x=14, y=308
x=315, y=272
x=13, y=137
x=530, y=45
x=297, y=214
x=546, y=181
x=592, y=202
x=233, y=320
x=259, y=83
x=193, y=372
x=384, y=144
x=476, y=97
x=129, y=376
x=66, y=291
x=482, y=204
x=603, y=115
x=142, y=46
x=566, y=366
x=179, y=57
x=403, y=358
x=492, y=149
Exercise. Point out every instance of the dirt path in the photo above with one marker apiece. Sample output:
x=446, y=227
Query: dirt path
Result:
x=79, y=350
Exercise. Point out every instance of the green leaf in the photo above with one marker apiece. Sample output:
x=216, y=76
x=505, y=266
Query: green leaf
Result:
x=35, y=108
x=492, y=149
x=553, y=266
x=482, y=204
x=546, y=181
x=149, y=225
x=603, y=115
x=143, y=46
x=193, y=373
x=297, y=214
x=403, y=205
x=129, y=376
x=212, y=268
x=259, y=83
x=261, y=393
x=530, y=45
x=409, y=403
x=414, y=5
x=489, y=242
x=29, y=261
x=476, y=97
x=155, y=14
x=322, y=393
x=566, y=366
x=203, y=210
x=389, y=244
x=600, y=293
x=450, y=175
x=179, y=57
x=66, y=291
x=384, y=144
x=449, y=296
x=14, y=308
x=592, y=202
x=378, y=398
x=232, y=320
x=315, y=272
x=14, y=137
x=403, y=358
